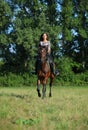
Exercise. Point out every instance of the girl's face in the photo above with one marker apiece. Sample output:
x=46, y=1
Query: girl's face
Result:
x=44, y=36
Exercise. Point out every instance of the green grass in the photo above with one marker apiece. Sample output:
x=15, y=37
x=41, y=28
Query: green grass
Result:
x=21, y=109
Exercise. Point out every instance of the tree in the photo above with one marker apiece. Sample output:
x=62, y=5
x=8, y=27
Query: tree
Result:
x=75, y=31
x=5, y=21
x=81, y=11
x=30, y=21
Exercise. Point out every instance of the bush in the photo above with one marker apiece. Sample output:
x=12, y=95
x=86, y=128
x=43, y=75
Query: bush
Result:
x=67, y=76
x=81, y=79
x=14, y=80
x=65, y=67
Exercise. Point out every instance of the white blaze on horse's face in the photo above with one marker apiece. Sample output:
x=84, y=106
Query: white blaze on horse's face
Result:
x=42, y=50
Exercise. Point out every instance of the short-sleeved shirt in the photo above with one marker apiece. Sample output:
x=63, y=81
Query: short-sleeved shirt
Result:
x=45, y=44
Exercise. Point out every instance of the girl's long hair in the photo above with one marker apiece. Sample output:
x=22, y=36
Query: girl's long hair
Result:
x=41, y=37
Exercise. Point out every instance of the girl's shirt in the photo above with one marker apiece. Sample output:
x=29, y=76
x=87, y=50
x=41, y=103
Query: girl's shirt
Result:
x=45, y=44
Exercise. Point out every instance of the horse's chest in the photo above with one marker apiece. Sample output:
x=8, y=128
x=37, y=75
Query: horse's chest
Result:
x=46, y=67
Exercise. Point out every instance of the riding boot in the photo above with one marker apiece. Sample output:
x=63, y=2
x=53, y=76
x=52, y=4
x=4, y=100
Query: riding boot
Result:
x=53, y=70
x=52, y=67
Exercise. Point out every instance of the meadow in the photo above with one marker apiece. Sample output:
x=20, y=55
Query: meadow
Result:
x=22, y=109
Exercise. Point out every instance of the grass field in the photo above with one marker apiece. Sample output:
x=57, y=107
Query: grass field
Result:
x=21, y=109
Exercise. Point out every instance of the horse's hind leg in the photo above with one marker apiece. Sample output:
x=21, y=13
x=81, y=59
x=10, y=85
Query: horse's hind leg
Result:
x=38, y=88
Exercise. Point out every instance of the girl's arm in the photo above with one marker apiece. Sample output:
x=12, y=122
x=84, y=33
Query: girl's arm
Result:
x=49, y=48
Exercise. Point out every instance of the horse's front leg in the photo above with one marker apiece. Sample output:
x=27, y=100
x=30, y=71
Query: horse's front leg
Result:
x=44, y=88
x=38, y=88
x=50, y=93
x=43, y=91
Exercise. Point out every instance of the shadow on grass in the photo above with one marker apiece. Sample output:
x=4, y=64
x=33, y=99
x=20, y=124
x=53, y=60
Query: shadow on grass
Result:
x=14, y=95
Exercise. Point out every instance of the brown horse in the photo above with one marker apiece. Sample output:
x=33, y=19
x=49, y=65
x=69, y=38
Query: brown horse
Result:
x=44, y=73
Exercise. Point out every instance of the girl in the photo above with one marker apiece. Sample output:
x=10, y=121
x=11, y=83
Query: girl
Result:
x=44, y=42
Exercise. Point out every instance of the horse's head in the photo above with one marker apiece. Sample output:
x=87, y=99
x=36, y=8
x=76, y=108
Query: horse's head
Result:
x=43, y=53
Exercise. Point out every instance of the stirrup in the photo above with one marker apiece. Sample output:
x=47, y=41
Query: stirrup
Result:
x=56, y=72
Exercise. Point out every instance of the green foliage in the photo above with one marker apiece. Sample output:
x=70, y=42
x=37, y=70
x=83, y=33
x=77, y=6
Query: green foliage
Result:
x=22, y=23
x=65, y=78
x=83, y=32
x=5, y=15
x=75, y=30
x=81, y=79
x=30, y=122
x=65, y=67
x=67, y=75
x=3, y=39
x=14, y=80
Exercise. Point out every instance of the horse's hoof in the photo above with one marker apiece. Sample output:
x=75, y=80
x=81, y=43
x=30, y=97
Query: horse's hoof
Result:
x=39, y=94
x=50, y=95
x=42, y=97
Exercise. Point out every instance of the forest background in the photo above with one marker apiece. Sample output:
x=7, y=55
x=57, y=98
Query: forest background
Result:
x=21, y=24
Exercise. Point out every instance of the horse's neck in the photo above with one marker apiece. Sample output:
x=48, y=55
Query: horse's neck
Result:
x=45, y=66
